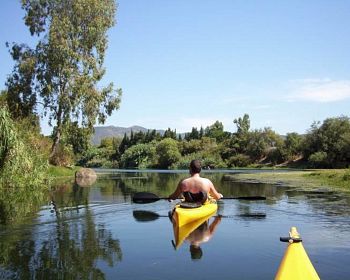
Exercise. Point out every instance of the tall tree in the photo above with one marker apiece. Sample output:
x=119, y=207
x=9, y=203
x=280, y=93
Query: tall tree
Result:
x=243, y=124
x=65, y=68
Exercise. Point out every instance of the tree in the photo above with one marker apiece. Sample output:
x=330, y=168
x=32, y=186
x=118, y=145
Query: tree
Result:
x=216, y=130
x=168, y=152
x=243, y=124
x=292, y=145
x=140, y=156
x=170, y=134
x=194, y=134
x=77, y=137
x=21, y=98
x=329, y=142
x=64, y=69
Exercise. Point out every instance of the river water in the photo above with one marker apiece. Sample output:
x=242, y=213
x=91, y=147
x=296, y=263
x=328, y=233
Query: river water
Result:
x=96, y=232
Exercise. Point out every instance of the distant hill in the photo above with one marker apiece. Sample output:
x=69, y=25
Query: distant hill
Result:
x=116, y=131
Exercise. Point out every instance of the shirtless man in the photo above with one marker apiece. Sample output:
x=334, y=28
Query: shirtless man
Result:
x=195, y=188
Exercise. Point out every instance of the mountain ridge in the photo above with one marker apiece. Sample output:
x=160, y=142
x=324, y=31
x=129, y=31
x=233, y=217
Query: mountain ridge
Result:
x=117, y=131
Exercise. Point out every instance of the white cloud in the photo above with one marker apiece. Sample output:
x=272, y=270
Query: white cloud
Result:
x=320, y=90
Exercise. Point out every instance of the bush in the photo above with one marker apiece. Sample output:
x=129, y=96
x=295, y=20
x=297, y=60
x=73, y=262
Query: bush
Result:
x=208, y=161
x=139, y=156
x=20, y=164
x=64, y=156
x=318, y=160
x=98, y=157
x=239, y=160
x=167, y=152
x=23, y=172
x=274, y=155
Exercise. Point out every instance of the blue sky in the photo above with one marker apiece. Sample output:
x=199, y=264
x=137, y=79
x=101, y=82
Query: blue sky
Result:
x=189, y=63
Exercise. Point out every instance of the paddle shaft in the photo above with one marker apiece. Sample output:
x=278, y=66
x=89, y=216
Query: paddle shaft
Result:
x=146, y=197
x=234, y=197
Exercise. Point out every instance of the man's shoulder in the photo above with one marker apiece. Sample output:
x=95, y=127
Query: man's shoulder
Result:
x=207, y=181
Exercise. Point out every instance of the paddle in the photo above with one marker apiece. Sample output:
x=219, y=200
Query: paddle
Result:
x=146, y=197
x=145, y=216
x=149, y=216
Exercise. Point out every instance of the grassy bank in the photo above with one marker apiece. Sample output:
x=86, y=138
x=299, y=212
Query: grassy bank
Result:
x=338, y=178
x=60, y=171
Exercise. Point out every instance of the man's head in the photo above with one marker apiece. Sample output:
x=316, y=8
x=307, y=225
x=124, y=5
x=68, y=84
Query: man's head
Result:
x=195, y=166
x=196, y=252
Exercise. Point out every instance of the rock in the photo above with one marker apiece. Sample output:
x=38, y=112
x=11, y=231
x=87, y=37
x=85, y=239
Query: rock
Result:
x=85, y=177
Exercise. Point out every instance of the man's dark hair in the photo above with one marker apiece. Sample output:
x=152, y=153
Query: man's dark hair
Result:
x=195, y=166
x=196, y=252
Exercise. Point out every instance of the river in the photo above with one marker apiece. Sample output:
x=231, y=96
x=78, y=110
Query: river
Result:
x=97, y=232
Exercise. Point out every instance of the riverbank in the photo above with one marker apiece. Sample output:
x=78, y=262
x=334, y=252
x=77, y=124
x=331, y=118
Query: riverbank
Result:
x=61, y=171
x=328, y=178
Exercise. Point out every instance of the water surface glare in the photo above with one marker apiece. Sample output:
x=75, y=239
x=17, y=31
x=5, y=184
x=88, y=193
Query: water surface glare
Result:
x=96, y=232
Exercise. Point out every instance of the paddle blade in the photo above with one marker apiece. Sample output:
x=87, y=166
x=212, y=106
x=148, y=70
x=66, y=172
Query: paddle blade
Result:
x=145, y=197
x=145, y=216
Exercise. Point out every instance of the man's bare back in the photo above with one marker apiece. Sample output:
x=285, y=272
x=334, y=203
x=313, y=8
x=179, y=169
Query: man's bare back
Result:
x=195, y=184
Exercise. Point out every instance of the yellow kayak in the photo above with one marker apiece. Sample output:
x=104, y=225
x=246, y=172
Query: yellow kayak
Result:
x=295, y=264
x=183, y=216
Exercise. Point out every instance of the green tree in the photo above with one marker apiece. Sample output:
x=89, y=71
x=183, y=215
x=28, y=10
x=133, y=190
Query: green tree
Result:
x=330, y=139
x=77, y=137
x=21, y=98
x=216, y=130
x=194, y=134
x=243, y=124
x=139, y=156
x=168, y=152
x=170, y=134
x=67, y=64
x=292, y=145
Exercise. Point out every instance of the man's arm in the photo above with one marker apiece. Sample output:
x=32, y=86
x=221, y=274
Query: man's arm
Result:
x=214, y=193
x=177, y=192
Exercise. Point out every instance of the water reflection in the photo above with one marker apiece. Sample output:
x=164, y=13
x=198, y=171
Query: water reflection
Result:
x=201, y=234
x=63, y=247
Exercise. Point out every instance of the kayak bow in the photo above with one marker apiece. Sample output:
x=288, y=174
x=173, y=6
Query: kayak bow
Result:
x=295, y=264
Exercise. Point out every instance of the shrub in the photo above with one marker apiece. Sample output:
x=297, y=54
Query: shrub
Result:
x=239, y=160
x=318, y=159
x=167, y=152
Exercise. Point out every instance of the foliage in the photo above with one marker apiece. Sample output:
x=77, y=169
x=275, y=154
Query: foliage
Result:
x=14, y=156
x=23, y=170
x=216, y=131
x=239, y=160
x=97, y=157
x=332, y=139
x=77, y=137
x=336, y=177
x=63, y=71
x=64, y=156
x=243, y=124
x=222, y=149
x=170, y=134
x=167, y=152
x=139, y=156
x=292, y=146
x=318, y=160
x=209, y=161
x=62, y=171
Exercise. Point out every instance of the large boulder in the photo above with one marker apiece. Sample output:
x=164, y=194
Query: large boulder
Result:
x=85, y=177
